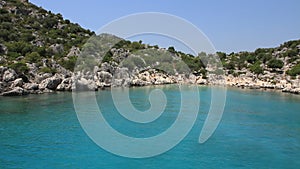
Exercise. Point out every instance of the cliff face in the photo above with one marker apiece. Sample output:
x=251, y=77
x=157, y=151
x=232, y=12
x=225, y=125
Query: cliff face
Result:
x=39, y=49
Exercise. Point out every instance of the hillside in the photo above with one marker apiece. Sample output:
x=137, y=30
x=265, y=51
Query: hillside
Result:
x=39, y=49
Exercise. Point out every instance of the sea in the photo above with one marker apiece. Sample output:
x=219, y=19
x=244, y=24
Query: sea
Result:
x=258, y=129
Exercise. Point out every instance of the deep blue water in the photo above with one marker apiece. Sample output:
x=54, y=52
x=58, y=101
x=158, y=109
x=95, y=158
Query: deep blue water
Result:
x=259, y=129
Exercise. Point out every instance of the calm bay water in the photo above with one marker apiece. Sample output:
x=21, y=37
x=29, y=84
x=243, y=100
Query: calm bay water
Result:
x=259, y=129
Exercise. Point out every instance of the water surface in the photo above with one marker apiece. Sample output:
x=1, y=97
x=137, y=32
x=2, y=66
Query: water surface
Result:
x=259, y=129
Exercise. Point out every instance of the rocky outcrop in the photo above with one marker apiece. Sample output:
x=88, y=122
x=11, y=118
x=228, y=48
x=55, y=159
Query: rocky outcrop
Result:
x=50, y=83
x=17, y=91
x=9, y=75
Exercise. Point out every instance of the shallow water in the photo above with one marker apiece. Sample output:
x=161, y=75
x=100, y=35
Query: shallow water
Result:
x=259, y=129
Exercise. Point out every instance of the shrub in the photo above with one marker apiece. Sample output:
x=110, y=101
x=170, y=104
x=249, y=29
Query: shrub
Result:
x=48, y=70
x=32, y=57
x=19, y=67
x=275, y=63
x=69, y=64
x=255, y=68
x=294, y=70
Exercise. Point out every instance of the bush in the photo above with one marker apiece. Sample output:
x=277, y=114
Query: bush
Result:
x=69, y=64
x=275, y=63
x=19, y=67
x=294, y=71
x=255, y=68
x=32, y=57
x=48, y=70
x=251, y=59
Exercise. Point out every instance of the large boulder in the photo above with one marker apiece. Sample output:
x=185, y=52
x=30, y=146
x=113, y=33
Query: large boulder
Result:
x=121, y=78
x=65, y=85
x=9, y=75
x=17, y=91
x=50, y=83
x=31, y=86
x=17, y=83
x=86, y=84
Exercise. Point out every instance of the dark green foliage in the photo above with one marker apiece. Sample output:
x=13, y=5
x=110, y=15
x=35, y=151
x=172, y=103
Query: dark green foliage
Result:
x=171, y=49
x=275, y=63
x=21, y=47
x=48, y=70
x=294, y=70
x=221, y=55
x=33, y=57
x=70, y=63
x=19, y=67
x=107, y=57
x=194, y=63
x=256, y=68
x=230, y=65
x=251, y=59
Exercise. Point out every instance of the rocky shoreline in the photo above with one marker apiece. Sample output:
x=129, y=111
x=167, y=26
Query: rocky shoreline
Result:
x=12, y=84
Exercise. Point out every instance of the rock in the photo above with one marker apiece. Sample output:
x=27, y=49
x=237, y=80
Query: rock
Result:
x=121, y=78
x=50, y=83
x=74, y=51
x=17, y=91
x=17, y=83
x=65, y=85
x=105, y=77
x=84, y=84
x=9, y=75
x=31, y=86
x=57, y=48
x=3, y=49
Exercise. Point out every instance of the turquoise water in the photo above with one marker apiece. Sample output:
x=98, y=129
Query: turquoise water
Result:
x=259, y=129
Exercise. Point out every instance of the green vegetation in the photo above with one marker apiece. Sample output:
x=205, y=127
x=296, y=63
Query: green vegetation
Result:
x=295, y=70
x=19, y=67
x=275, y=63
x=256, y=68
x=31, y=36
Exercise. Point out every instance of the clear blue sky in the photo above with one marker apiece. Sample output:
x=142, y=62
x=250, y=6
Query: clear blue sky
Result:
x=231, y=25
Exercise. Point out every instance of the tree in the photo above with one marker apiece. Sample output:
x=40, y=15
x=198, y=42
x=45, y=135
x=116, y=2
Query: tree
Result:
x=171, y=49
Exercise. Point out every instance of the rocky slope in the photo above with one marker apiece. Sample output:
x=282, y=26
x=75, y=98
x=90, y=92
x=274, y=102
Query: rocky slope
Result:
x=39, y=51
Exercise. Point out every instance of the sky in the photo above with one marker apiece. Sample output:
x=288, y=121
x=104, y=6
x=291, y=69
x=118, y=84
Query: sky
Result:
x=231, y=25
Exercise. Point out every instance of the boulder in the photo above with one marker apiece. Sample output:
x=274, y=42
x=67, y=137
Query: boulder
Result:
x=31, y=86
x=121, y=78
x=84, y=84
x=57, y=48
x=105, y=77
x=17, y=83
x=9, y=75
x=50, y=83
x=17, y=91
x=3, y=49
x=74, y=51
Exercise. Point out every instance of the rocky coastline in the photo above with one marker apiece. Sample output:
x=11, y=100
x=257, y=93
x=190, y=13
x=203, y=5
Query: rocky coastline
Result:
x=13, y=84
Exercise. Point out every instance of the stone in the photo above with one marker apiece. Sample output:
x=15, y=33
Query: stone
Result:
x=9, y=75
x=74, y=51
x=17, y=91
x=84, y=84
x=17, y=83
x=50, y=83
x=57, y=48
x=3, y=49
x=31, y=86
